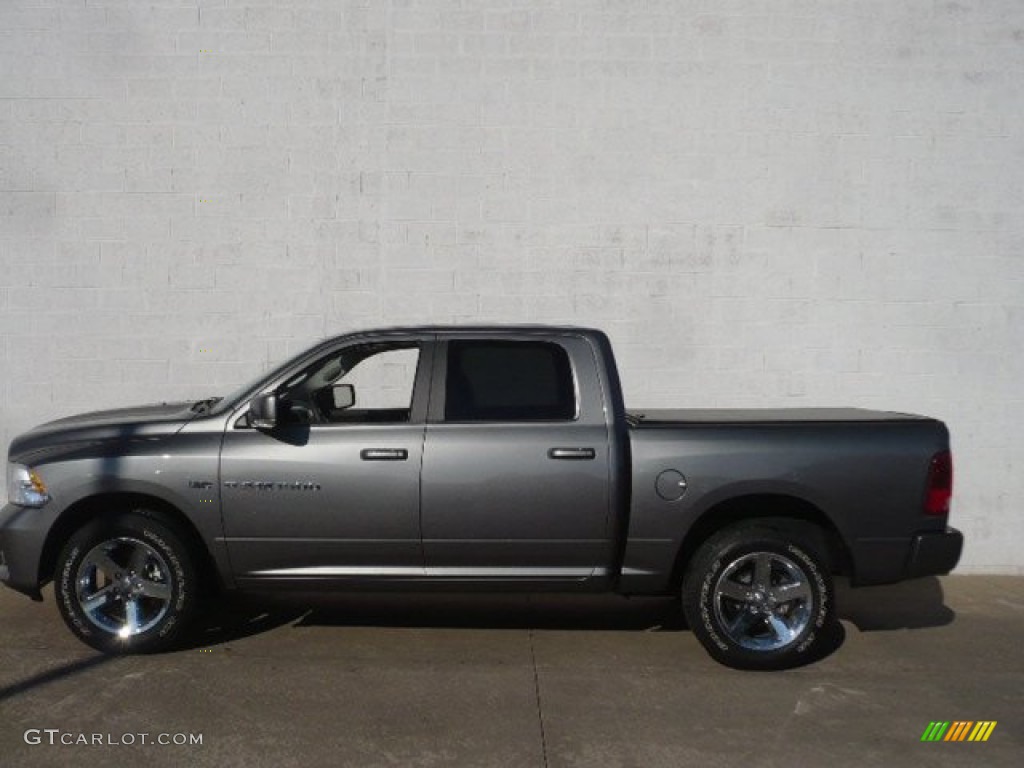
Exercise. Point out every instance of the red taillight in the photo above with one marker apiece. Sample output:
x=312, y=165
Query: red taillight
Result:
x=940, y=484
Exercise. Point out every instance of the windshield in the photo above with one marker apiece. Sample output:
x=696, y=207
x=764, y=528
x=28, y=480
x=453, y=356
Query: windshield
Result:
x=251, y=386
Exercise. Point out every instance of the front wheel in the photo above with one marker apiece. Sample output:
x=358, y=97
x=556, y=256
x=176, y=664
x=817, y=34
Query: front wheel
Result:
x=126, y=584
x=758, y=598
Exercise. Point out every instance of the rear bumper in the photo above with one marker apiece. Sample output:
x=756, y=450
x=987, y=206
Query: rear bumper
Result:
x=884, y=561
x=22, y=536
x=934, y=553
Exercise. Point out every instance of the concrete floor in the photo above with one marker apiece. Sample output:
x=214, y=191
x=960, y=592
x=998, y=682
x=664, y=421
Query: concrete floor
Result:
x=399, y=680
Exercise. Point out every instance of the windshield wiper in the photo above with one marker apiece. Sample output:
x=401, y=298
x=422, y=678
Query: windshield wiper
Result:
x=204, y=405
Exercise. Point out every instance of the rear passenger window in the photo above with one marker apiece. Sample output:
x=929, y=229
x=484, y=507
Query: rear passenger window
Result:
x=508, y=381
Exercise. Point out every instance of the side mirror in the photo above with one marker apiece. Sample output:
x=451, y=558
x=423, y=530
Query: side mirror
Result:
x=263, y=411
x=343, y=395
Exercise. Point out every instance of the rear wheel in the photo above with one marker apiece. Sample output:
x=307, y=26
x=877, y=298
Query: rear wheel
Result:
x=126, y=584
x=759, y=598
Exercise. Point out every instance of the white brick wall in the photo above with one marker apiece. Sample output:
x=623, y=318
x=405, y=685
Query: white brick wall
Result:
x=765, y=202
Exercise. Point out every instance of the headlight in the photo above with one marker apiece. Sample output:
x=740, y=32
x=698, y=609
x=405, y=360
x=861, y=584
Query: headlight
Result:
x=25, y=487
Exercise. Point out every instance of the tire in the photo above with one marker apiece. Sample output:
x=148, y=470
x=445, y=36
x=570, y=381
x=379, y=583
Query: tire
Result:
x=126, y=583
x=759, y=598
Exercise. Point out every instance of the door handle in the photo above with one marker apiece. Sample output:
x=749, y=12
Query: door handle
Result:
x=572, y=453
x=383, y=454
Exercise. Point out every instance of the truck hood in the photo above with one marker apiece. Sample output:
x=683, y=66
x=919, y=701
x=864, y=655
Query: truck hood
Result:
x=141, y=422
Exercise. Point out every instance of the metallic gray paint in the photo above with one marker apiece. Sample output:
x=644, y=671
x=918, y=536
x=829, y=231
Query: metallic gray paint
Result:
x=866, y=477
x=483, y=504
x=365, y=514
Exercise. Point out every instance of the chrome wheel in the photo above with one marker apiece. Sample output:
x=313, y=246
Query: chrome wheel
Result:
x=763, y=601
x=123, y=586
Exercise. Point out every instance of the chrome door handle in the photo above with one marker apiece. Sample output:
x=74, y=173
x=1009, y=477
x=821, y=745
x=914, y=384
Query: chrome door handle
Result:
x=572, y=453
x=383, y=454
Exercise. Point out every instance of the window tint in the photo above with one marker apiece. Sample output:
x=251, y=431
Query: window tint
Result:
x=508, y=381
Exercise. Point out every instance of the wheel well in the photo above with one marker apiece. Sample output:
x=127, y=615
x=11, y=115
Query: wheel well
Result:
x=775, y=510
x=84, y=510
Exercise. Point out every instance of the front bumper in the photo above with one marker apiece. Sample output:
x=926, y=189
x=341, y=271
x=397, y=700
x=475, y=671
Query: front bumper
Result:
x=22, y=538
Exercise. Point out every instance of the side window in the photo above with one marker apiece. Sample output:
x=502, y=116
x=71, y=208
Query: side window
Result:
x=384, y=380
x=508, y=381
x=381, y=375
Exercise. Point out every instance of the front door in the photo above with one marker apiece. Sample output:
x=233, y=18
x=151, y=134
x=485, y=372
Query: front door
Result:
x=332, y=493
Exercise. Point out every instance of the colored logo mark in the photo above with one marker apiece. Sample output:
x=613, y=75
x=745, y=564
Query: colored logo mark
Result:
x=959, y=730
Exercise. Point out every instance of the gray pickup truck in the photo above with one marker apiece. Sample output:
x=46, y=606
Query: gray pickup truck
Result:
x=473, y=458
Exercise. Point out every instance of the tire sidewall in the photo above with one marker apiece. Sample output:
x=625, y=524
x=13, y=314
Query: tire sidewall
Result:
x=138, y=525
x=698, y=599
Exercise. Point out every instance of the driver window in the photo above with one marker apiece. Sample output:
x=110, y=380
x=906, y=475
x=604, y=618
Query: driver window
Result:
x=382, y=376
x=384, y=381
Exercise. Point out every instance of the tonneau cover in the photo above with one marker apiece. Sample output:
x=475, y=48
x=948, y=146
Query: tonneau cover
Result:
x=676, y=417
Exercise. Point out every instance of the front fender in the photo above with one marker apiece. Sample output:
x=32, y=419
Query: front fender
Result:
x=184, y=483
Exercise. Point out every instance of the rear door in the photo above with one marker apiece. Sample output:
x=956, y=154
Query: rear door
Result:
x=516, y=461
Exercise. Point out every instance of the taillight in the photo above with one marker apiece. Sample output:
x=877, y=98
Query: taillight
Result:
x=940, y=484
